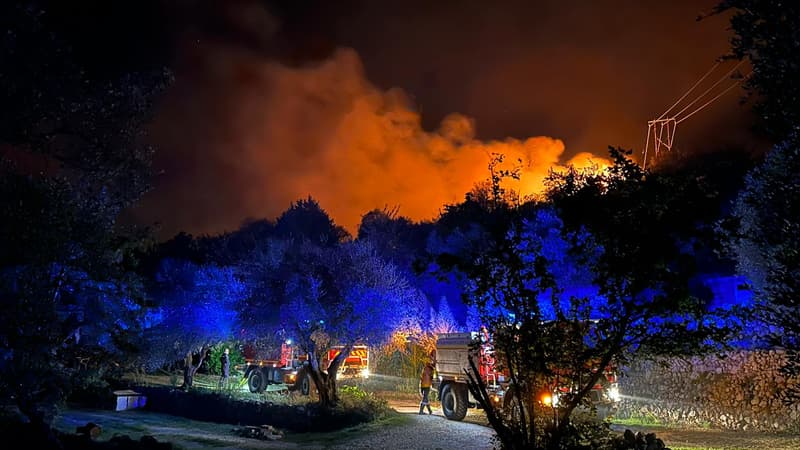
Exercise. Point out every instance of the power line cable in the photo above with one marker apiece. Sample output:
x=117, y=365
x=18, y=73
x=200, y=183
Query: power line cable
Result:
x=733, y=85
x=689, y=91
x=723, y=78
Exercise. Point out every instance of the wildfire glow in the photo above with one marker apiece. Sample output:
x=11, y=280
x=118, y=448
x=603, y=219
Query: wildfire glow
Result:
x=283, y=133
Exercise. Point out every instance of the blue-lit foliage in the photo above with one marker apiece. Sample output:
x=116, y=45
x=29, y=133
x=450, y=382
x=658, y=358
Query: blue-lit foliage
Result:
x=441, y=318
x=543, y=239
x=603, y=272
x=54, y=332
x=344, y=295
x=444, y=298
x=403, y=243
x=197, y=308
x=319, y=292
x=649, y=229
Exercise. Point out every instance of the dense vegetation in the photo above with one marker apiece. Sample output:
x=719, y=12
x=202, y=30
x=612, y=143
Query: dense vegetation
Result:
x=615, y=258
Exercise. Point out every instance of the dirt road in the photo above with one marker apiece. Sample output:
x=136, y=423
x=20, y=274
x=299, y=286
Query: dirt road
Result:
x=674, y=438
x=407, y=431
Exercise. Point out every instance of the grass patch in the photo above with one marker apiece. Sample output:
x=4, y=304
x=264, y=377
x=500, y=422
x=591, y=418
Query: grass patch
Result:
x=646, y=420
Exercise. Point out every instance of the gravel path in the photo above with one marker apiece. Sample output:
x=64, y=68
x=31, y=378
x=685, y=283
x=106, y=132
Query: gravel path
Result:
x=426, y=432
x=418, y=432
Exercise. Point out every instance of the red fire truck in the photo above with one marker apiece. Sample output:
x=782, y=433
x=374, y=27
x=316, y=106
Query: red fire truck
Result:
x=453, y=354
x=260, y=373
x=355, y=365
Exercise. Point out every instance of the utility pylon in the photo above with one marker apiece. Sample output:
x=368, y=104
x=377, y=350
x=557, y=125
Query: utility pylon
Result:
x=661, y=131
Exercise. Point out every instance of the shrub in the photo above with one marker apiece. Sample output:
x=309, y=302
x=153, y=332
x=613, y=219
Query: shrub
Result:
x=353, y=398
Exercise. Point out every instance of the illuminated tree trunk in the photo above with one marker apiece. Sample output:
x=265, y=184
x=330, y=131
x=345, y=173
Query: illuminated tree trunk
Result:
x=326, y=381
x=189, y=369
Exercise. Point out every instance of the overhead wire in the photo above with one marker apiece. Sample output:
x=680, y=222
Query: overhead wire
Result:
x=733, y=85
x=689, y=91
x=723, y=78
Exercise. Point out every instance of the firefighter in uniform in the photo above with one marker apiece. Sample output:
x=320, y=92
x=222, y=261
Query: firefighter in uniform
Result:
x=425, y=382
x=225, y=366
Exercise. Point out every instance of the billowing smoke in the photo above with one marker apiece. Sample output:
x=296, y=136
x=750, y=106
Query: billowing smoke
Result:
x=248, y=136
x=275, y=101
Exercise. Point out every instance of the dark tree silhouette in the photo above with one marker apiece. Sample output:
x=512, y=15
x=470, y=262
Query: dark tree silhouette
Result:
x=765, y=33
x=306, y=220
x=765, y=242
x=74, y=155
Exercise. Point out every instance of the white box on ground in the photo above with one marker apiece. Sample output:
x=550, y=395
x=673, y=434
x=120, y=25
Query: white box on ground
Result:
x=128, y=399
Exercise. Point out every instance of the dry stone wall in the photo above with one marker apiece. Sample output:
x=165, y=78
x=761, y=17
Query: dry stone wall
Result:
x=735, y=392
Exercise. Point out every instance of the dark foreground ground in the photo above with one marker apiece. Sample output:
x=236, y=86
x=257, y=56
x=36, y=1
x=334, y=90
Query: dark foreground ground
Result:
x=405, y=430
x=402, y=431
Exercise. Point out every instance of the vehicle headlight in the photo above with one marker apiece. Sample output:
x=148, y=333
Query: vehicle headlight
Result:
x=365, y=373
x=613, y=393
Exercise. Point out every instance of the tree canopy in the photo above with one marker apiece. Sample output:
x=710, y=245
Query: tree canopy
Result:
x=766, y=34
x=73, y=155
x=599, y=273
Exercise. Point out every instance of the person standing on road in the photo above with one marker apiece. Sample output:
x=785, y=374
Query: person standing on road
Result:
x=425, y=382
x=225, y=366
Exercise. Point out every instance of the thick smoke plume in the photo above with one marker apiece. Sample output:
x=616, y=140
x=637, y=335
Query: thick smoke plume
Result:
x=247, y=136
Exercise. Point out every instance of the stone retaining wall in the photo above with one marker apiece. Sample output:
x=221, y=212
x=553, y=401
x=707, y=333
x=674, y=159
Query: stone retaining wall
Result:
x=737, y=392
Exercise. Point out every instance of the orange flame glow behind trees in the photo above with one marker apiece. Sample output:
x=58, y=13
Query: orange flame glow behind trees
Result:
x=285, y=133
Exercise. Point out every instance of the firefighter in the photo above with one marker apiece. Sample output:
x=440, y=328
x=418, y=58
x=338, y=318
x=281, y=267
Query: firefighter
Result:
x=225, y=366
x=425, y=382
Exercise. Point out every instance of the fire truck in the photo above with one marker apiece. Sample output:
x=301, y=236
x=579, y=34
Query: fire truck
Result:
x=260, y=373
x=453, y=354
x=355, y=365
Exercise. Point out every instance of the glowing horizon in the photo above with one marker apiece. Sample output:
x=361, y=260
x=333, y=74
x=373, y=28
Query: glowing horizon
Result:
x=286, y=133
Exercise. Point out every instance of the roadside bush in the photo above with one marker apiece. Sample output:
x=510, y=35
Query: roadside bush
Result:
x=212, y=363
x=353, y=398
x=355, y=408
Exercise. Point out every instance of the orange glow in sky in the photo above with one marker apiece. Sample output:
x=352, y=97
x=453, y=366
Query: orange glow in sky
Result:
x=325, y=131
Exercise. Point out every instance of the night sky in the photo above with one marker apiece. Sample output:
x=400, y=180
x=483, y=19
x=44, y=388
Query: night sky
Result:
x=373, y=104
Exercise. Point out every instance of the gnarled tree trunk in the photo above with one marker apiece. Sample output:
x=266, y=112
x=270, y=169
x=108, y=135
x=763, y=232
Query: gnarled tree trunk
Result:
x=190, y=369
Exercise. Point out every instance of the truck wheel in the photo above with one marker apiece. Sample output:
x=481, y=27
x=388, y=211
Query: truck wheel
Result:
x=256, y=382
x=303, y=381
x=454, y=402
